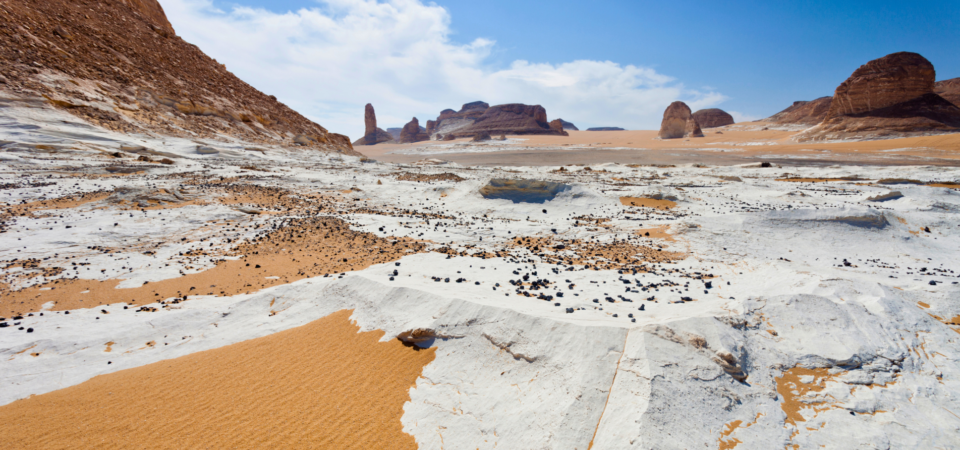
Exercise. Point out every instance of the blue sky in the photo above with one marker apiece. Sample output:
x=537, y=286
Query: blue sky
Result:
x=751, y=58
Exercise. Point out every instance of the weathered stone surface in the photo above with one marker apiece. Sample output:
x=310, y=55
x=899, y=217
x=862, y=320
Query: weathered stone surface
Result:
x=713, y=117
x=450, y=121
x=431, y=127
x=883, y=82
x=126, y=54
x=803, y=112
x=557, y=126
x=692, y=129
x=412, y=132
x=369, y=120
x=568, y=125
x=674, y=124
x=514, y=118
x=888, y=97
x=949, y=90
x=481, y=136
x=372, y=135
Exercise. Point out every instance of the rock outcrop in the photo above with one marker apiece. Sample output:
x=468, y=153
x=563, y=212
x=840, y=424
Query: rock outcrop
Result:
x=568, y=125
x=692, y=129
x=450, y=121
x=713, y=117
x=888, y=97
x=803, y=112
x=678, y=122
x=513, y=118
x=557, y=126
x=119, y=64
x=949, y=90
x=606, y=129
x=413, y=132
x=481, y=136
x=372, y=135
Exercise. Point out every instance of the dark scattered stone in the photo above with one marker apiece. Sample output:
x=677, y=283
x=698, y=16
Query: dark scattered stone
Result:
x=29, y=330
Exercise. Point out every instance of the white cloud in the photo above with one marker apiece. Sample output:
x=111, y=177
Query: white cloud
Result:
x=741, y=117
x=328, y=61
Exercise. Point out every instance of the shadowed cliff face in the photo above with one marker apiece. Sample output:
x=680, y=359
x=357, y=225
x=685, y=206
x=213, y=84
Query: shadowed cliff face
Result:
x=119, y=64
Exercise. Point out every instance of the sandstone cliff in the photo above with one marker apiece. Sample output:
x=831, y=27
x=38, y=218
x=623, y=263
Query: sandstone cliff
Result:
x=803, y=112
x=888, y=97
x=949, y=90
x=513, y=118
x=713, y=117
x=413, y=132
x=120, y=65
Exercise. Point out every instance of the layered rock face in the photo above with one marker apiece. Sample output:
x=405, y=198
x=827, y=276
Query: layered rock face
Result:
x=568, y=125
x=803, y=112
x=891, y=96
x=119, y=64
x=514, y=118
x=713, y=117
x=372, y=135
x=678, y=122
x=450, y=120
x=412, y=132
x=949, y=90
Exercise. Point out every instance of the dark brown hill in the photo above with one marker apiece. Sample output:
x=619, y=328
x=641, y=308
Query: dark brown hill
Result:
x=119, y=64
x=949, y=90
x=803, y=112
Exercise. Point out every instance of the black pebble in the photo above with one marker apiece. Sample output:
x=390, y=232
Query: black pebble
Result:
x=29, y=330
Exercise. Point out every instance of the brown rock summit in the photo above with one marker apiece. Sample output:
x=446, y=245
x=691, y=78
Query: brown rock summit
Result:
x=513, y=118
x=713, y=117
x=887, y=97
x=803, y=112
x=949, y=90
x=119, y=64
x=678, y=122
x=557, y=126
x=412, y=132
x=372, y=135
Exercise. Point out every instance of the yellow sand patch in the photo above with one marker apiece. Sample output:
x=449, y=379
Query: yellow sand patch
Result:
x=322, y=385
x=656, y=233
x=646, y=202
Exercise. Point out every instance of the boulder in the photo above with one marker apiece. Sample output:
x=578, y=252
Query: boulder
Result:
x=888, y=97
x=674, y=124
x=481, y=136
x=568, y=125
x=949, y=90
x=448, y=137
x=713, y=117
x=412, y=132
x=692, y=129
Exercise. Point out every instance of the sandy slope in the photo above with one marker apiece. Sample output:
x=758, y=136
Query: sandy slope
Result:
x=322, y=385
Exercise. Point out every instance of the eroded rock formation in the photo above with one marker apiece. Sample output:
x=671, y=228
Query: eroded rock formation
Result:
x=474, y=117
x=412, y=132
x=372, y=135
x=891, y=96
x=120, y=65
x=803, y=112
x=557, y=126
x=949, y=90
x=678, y=122
x=568, y=125
x=713, y=117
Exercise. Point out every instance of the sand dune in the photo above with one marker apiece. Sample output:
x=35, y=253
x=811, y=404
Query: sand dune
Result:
x=322, y=385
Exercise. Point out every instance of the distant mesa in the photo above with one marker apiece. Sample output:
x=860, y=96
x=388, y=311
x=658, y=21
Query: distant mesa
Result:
x=606, y=129
x=949, y=90
x=803, y=112
x=476, y=117
x=713, y=117
x=413, y=132
x=372, y=135
x=892, y=96
x=678, y=122
x=568, y=125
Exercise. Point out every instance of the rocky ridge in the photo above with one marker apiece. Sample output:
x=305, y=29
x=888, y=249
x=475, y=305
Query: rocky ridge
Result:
x=892, y=96
x=120, y=65
x=949, y=90
x=713, y=117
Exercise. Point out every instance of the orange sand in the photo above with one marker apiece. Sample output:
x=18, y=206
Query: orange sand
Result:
x=303, y=248
x=791, y=390
x=656, y=233
x=645, y=202
x=322, y=385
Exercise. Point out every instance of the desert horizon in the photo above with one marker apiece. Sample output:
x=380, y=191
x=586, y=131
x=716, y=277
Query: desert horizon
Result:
x=269, y=224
